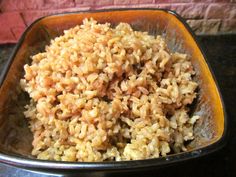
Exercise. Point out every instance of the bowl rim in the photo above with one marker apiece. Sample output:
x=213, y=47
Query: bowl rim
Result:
x=28, y=163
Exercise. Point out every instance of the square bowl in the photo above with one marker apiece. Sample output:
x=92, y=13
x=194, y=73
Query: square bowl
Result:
x=15, y=136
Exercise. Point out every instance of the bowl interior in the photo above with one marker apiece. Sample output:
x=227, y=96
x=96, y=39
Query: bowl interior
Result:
x=15, y=136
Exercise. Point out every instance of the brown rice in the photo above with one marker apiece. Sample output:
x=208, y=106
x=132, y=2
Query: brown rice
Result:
x=100, y=93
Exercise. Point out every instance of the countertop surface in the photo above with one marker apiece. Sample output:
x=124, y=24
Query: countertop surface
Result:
x=221, y=53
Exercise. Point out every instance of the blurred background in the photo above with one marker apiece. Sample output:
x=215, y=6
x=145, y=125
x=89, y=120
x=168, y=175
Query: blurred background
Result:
x=204, y=16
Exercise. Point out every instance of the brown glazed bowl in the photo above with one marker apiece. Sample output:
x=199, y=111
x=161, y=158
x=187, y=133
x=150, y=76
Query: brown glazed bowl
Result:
x=15, y=136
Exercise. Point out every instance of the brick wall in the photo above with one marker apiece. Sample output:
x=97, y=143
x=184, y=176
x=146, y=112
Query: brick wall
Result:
x=204, y=16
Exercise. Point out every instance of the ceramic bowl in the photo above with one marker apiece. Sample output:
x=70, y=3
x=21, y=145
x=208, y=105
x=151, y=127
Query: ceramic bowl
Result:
x=15, y=136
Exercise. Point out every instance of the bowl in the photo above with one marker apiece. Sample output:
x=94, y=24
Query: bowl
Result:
x=15, y=136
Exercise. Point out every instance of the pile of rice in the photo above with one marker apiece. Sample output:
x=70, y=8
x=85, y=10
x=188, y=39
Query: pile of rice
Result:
x=101, y=94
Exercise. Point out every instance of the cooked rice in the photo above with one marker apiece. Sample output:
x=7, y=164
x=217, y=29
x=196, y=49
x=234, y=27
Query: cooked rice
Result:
x=100, y=94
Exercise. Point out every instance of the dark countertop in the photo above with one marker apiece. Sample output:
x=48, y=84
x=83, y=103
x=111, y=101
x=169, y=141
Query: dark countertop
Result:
x=221, y=52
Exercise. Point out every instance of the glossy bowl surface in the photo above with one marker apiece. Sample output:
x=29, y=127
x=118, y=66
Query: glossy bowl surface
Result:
x=15, y=137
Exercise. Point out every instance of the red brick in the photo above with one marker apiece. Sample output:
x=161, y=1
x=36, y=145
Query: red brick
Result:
x=104, y=3
x=125, y=2
x=219, y=11
x=81, y=3
x=196, y=25
x=172, y=1
x=17, y=32
x=162, y=1
x=146, y=1
x=55, y=4
x=228, y=26
x=9, y=21
x=77, y=2
x=133, y=2
x=76, y=9
x=6, y=35
x=211, y=1
x=164, y=6
x=190, y=10
x=31, y=16
x=13, y=5
x=211, y=26
x=161, y=6
x=204, y=16
x=233, y=13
